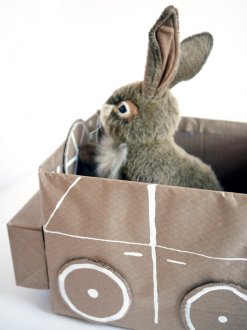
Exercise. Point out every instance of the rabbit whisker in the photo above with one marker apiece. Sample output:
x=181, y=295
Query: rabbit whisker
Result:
x=96, y=130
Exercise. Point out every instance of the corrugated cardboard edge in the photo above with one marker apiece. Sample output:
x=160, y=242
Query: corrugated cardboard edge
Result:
x=27, y=246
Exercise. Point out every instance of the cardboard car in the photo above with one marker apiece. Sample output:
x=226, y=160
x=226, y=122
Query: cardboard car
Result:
x=139, y=255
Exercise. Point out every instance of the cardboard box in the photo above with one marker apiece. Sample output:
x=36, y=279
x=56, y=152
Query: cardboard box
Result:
x=137, y=255
x=27, y=246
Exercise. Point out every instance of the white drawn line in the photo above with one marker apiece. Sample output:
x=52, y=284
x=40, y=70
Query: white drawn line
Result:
x=202, y=255
x=75, y=145
x=74, y=142
x=71, y=161
x=176, y=262
x=61, y=200
x=143, y=244
x=152, y=227
x=95, y=239
x=84, y=131
x=134, y=254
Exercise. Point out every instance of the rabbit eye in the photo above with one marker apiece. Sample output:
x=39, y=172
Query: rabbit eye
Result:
x=126, y=110
x=122, y=109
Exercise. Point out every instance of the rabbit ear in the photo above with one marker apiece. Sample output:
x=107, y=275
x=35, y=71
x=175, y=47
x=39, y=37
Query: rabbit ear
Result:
x=194, y=52
x=163, y=53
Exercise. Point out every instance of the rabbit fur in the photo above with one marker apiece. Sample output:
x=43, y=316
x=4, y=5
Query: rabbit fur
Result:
x=140, y=119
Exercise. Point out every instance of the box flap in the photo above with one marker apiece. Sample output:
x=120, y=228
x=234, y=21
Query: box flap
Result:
x=27, y=246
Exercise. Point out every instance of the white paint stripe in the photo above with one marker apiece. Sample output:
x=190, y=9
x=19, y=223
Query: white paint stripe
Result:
x=74, y=142
x=152, y=227
x=84, y=131
x=134, y=254
x=202, y=255
x=143, y=244
x=151, y=209
x=71, y=161
x=205, y=291
x=61, y=200
x=176, y=262
x=95, y=239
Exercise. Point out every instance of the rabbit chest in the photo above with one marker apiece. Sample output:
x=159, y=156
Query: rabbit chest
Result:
x=150, y=162
x=111, y=158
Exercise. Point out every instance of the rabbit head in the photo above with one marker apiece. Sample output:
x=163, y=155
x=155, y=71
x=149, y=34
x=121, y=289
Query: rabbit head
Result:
x=146, y=111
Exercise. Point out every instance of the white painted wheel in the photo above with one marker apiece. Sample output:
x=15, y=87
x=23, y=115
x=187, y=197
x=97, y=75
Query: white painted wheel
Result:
x=215, y=306
x=94, y=291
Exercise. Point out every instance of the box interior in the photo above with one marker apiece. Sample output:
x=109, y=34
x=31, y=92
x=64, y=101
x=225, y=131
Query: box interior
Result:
x=221, y=144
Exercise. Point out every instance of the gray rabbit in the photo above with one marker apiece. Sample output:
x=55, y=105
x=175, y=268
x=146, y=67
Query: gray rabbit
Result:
x=140, y=119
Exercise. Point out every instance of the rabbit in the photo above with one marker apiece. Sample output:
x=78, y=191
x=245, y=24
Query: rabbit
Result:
x=139, y=120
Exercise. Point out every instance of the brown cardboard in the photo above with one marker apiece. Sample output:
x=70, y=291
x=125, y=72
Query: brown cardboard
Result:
x=222, y=144
x=194, y=244
x=91, y=282
x=162, y=241
x=219, y=305
x=27, y=246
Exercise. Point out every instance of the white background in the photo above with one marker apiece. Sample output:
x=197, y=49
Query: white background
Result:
x=59, y=61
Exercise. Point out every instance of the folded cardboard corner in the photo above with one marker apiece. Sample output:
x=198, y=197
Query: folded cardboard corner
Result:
x=27, y=246
x=168, y=257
